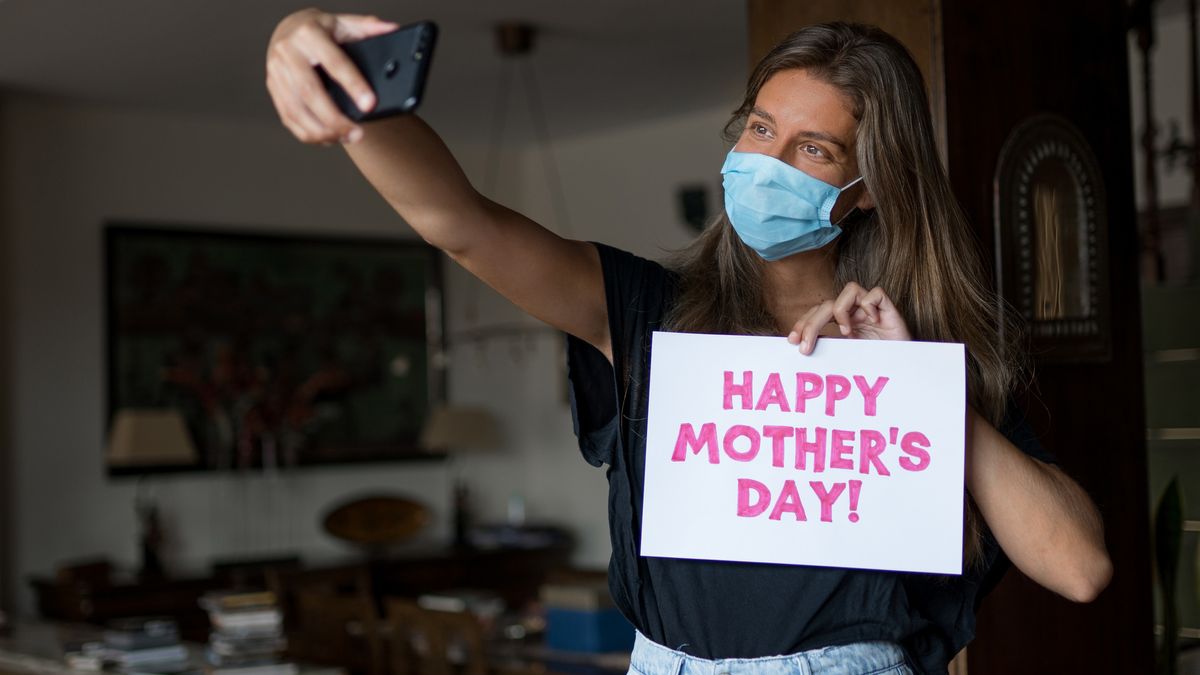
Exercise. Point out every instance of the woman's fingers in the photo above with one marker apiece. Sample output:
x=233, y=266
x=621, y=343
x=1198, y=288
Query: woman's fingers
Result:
x=295, y=115
x=885, y=303
x=847, y=301
x=856, y=311
x=870, y=303
x=798, y=327
x=885, y=318
x=337, y=126
x=302, y=80
x=304, y=106
x=285, y=72
x=301, y=42
x=312, y=121
x=817, y=318
x=350, y=27
x=320, y=49
x=285, y=114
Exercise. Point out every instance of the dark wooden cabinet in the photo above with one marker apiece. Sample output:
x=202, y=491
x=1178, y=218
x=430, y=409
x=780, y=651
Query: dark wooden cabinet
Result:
x=99, y=603
x=514, y=573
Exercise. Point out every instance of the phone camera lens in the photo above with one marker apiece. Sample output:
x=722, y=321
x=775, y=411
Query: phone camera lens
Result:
x=389, y=68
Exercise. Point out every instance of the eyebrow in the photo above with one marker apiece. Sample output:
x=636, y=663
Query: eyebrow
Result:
x=817, y=135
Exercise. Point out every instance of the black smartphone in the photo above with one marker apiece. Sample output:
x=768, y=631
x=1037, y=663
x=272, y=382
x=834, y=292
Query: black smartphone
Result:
x=395, y=65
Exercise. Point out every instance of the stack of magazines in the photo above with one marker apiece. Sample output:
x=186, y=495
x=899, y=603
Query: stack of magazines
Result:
x=247, y=634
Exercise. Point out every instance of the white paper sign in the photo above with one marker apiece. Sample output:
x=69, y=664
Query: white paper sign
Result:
x=849, y=457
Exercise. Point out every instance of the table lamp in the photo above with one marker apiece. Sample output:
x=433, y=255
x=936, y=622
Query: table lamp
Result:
x=149, y=437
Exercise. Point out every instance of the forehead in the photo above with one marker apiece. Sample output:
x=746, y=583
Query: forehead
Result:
x=799, y=102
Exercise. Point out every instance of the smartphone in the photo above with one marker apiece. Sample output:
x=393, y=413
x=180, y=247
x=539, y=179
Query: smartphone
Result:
x=395, y=65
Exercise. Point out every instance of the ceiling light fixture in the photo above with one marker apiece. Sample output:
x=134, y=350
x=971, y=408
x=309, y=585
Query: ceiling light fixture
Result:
x=515, y=42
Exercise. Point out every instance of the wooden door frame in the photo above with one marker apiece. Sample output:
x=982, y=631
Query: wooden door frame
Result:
x=7, y=481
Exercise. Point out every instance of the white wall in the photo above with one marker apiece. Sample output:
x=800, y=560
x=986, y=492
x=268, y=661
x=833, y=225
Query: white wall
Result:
x=68, y=168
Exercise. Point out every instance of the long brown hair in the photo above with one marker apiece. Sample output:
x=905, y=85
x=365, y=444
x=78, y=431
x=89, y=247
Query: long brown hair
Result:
x=915, y=244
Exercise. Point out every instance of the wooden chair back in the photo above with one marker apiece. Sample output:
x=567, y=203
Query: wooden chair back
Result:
x=340, y=630
x=431, y=642
x=330, y=618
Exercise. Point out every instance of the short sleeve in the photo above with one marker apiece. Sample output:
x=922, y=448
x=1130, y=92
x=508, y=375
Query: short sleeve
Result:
x=635, y=292
x=592, y=394
x=1015, y=427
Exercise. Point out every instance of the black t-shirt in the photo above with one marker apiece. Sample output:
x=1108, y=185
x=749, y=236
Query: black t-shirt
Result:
x=715, y=609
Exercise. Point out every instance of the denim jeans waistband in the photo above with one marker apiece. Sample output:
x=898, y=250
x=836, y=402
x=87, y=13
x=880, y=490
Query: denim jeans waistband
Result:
x=859, y=658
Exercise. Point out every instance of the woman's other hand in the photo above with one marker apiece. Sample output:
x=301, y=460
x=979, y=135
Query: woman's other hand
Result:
x=300, y=42
x=859, y=313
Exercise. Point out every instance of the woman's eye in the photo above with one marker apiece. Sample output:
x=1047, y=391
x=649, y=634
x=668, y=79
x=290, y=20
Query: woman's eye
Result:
x=812, y=150
x=759, y=130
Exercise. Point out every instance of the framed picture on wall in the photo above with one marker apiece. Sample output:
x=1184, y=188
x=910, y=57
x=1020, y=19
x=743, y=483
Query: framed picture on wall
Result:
x=1052, y=239
x=237, y=351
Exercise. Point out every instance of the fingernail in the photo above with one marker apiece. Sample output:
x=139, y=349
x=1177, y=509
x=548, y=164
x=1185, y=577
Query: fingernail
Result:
x=793, y=337
x=804, y=346
x=365, y=101
x=355, y=134
x=845, y=330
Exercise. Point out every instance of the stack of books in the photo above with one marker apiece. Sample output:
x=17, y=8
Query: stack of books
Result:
x=247, y=636
x=146, y=645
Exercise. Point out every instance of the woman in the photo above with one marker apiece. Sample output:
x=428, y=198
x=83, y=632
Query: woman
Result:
x=832, y=188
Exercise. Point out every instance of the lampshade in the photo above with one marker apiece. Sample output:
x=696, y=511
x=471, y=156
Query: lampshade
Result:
x=149, y=437
x=457, y=428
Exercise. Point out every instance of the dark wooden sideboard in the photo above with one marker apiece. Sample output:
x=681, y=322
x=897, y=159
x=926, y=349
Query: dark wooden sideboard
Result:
x=514, y=573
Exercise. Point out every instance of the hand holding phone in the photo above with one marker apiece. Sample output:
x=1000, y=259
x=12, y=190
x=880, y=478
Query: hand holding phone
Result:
x=302, y=40
x=395, y=65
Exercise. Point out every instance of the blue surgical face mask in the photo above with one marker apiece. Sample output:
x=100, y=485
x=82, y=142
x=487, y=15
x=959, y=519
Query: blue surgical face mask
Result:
x=777, y=209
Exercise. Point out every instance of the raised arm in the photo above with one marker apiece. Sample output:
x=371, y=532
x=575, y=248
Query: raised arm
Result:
x=556, y=280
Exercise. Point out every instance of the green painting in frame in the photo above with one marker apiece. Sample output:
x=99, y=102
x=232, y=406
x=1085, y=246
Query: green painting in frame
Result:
x=276, y=351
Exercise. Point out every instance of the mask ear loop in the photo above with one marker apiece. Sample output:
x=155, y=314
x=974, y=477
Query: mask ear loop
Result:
x=842, y=195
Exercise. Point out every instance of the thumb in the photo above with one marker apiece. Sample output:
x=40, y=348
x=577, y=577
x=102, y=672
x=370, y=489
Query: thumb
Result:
x=350, y=27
